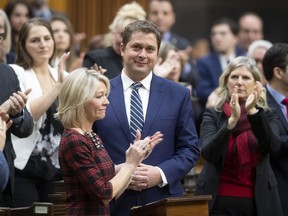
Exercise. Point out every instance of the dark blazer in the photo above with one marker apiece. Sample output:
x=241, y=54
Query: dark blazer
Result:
x=169, y=111
x=209, y=71
x=9, y=84
x=279, y=160
x=106, y=58
x=215, y=138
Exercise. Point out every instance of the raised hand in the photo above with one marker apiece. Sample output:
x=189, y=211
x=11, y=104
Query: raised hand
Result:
x=163, y=69
x=99, y=69
x=253, y=98
x=61, y=66
x=235, y=109
x=16, y=102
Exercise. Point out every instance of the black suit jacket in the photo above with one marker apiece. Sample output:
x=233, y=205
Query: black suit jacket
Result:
x=9, y=84
x=279, y=160
x=215, y=137
x=106, y=58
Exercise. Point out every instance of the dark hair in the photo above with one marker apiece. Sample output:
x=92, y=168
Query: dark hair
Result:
x=276, y=56
x=250, y=13
x=10, y=6
x=233, y=26
x=23, y=58
x=141, y=26
x=171, y=2
x=71, y=48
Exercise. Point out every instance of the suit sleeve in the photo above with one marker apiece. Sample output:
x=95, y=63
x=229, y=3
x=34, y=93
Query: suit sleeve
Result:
x=214, y=137
x=265, y=125
x=24, y=125
x=88, y=61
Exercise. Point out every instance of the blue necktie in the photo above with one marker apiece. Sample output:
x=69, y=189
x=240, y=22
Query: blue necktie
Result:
x=136, y=110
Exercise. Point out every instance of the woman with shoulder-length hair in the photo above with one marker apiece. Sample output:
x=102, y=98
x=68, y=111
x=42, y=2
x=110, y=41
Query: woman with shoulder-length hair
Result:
x=36, y=163
x=91, y=179
x=238, y=136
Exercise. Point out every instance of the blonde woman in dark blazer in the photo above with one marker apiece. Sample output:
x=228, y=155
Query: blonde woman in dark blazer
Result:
x=237, y=138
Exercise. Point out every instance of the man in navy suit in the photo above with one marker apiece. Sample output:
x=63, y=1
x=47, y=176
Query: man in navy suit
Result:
x=224, y=39
x=166, y=108
x=4, y=169
x=13, y=102
x=275, y=68
x=161, y=13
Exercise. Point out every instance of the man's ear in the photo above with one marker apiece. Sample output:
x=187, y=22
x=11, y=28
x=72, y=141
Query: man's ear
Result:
x=278, y=72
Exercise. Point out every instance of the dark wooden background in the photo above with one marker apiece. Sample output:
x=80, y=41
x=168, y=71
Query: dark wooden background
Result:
x=193, y=17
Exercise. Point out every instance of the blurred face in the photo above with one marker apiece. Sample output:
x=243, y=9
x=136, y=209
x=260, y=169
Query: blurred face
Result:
x=244, y=80
x=222, y=39
x=139, y=55
x=162, y=15
x=19, y=16
x=176, y=72
x=2, y=46
x=250, y=30
x=258, y=55
x=95, y=108
x=2, y=27
x=61, y=36
x=117, y=40
x=39, y=44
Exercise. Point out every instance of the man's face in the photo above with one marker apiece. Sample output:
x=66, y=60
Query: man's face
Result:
x=2, y=42
x=162, y=15
x=250, y=29
x=139, y=55
x=222, y=38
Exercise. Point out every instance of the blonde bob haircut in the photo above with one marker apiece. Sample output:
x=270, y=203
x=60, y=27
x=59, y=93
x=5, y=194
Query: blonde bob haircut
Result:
x=79, y=87
x=222, y=90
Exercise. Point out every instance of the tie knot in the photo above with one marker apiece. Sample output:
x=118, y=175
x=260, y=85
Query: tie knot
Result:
x=285, y=101
x=136, y=85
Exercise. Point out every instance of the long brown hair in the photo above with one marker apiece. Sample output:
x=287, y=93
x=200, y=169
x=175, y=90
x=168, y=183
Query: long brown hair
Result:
x=23, y=58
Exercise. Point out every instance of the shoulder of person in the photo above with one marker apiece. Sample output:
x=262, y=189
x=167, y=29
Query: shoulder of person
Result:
x=99, y=53
x=17, y=69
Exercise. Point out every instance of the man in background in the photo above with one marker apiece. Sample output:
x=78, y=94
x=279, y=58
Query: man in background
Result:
x=275, y=67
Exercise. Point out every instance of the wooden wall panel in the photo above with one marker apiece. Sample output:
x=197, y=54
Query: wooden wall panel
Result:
x=94, y=16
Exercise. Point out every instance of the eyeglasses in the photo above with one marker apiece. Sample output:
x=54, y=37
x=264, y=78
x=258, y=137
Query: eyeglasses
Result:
x=2, y=36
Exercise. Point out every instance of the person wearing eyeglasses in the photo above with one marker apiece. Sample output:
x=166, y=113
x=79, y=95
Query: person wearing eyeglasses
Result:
x=5, y=43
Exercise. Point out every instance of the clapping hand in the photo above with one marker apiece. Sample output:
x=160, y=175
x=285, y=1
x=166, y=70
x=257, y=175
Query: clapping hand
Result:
x=16, y=102
x=61, y=66
x=163, y=69
x=253, y=98
x=99, y=69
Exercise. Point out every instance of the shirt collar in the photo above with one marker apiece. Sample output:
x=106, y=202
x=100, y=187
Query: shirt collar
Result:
x=277, y=96
x=127, y=82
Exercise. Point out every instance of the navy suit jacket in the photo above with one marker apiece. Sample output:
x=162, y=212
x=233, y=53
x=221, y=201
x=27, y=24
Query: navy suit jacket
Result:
x=169, y=111
x=9, y=84
x=209, y=71
x=279, y=160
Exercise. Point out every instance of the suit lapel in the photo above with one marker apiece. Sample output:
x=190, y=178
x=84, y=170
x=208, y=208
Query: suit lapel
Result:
x=155, y=101
x=273, y=104
x=117, y=104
